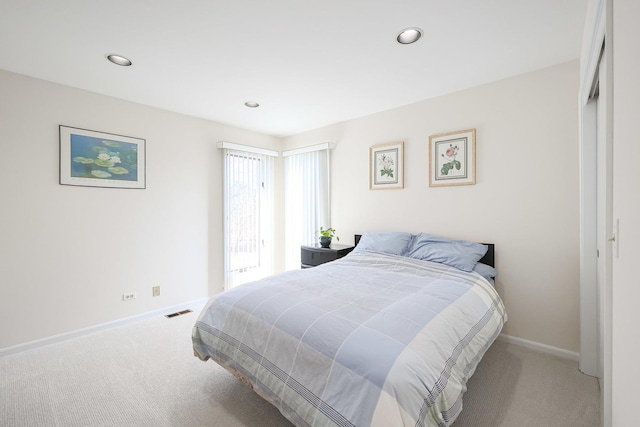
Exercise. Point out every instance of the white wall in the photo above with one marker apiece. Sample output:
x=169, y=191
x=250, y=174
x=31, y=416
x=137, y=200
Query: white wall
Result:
x=626, y=208
x=525, y=199
x=67, y=254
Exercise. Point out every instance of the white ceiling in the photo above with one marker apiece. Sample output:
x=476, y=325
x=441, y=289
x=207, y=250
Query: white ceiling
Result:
x=308, y=63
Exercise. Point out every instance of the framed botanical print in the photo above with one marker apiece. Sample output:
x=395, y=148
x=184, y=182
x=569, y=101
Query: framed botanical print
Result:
x=386, y=163
x=452, y=158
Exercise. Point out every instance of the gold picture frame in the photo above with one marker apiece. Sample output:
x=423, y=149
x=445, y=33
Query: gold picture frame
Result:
x=452, y=158
x=386, y=166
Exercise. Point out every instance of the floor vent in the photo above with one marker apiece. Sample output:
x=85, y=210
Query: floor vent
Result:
x=178, y=313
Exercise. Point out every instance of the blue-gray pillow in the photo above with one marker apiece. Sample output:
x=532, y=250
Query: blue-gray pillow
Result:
x=393, y=242
x=485, y=271
x=460, y=254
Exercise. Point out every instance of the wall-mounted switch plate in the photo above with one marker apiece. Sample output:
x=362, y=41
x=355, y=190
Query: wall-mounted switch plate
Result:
x=156, y=291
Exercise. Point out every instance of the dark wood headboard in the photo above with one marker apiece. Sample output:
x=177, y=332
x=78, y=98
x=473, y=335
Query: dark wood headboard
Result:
x=488, y=258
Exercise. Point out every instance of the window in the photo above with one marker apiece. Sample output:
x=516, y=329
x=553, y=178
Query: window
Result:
x=306, y=199
x=248, y=216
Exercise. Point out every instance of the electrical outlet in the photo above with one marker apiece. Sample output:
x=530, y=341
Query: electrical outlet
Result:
x=156, y=291
x=128, y=297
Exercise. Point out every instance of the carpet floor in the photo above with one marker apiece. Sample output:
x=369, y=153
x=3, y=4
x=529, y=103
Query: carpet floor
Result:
x=145, y=374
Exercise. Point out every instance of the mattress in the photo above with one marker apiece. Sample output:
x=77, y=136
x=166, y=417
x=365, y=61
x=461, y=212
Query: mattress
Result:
x=368, y=340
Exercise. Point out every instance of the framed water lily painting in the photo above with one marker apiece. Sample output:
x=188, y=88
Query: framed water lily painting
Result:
x=99, y=159
x=452, y=158
x=386, y=168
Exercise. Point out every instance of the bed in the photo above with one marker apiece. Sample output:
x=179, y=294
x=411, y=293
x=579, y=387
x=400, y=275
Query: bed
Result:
x=386, y=336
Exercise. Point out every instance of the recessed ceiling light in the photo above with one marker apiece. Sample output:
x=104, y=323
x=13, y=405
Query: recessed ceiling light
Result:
x=251, y=104
x=409, y=35
x=119, y=60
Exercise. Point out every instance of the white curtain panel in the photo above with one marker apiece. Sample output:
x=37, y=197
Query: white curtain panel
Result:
x=248, y=216
x=306, y=201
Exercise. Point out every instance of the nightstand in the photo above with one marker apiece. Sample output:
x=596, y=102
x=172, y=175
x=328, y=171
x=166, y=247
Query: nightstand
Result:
x=312, y=256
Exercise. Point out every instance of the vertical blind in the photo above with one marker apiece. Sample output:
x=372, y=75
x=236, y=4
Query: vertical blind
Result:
x=248, y=216
x=306, y=201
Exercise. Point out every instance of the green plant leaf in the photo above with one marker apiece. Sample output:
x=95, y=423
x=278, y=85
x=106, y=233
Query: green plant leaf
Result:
x=104, y=163
x=100, y=174
x=83, y=160
x=118, y=170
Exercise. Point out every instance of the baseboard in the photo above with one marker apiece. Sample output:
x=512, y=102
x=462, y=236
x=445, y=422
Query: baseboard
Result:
x=566, y=354
x=97, y=328
x=121, y=322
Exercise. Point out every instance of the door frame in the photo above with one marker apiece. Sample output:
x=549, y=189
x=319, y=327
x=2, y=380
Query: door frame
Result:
x=595, y=299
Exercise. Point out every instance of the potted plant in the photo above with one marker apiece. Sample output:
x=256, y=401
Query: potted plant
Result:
x=326, y=234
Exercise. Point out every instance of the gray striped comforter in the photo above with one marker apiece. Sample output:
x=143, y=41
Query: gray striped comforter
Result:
x=367, y=340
